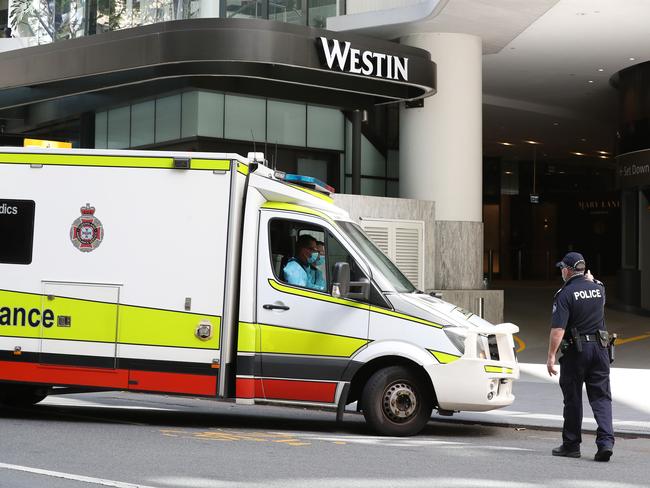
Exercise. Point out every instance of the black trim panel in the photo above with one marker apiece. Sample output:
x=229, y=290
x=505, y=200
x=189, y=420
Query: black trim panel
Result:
x=260, y=51
x=111, y=363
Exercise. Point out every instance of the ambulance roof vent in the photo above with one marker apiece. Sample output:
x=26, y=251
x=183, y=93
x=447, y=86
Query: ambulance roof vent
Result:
x=305, y=181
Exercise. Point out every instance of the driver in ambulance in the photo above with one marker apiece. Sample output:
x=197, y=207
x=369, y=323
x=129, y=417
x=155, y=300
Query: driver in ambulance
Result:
x=300, y=270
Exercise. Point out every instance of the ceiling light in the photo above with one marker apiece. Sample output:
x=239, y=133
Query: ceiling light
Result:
x=632, y=59
x=601, y=69
x=556, y=123
x=603, y=157
x=505, y=143
x=590, y=81
x=576, y=153
x=583, y=139
x=532, y=142
x=507, y=172
x=603, y=152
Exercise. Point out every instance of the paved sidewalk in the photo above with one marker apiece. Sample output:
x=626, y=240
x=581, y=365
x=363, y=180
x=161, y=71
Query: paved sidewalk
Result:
x=539, y=403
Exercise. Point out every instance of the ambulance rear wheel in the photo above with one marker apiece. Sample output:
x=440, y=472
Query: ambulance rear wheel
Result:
x=396, y=402
x=21, y=395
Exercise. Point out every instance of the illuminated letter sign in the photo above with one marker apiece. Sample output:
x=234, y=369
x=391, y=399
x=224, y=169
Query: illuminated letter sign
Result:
x=341, y=56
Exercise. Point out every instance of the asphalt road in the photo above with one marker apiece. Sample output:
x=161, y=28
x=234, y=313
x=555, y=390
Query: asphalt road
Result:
x=125, y=440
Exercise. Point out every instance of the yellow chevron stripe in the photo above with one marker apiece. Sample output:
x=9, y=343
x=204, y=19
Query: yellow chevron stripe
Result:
x=107, y=322
x=154, y=327
x=443, y=357
x=282, y=340
x=350, y=303
x=242, y=168
x=498, y=369
x=317, y=296
x=112, y=161
x=292, y=207
x=248, y=338
x=313, y=193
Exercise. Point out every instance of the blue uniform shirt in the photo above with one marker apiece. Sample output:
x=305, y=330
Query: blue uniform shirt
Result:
x=306, y=276
x=580, y=303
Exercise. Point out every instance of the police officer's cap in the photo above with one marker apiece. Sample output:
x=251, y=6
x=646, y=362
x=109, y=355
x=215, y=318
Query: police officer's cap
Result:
x=573, y=260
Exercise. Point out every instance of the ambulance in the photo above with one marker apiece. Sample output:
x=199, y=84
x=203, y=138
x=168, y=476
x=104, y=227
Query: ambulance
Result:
x=163, y=272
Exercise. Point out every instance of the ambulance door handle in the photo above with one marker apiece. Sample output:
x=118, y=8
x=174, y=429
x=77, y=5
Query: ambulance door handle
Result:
x=270, y=306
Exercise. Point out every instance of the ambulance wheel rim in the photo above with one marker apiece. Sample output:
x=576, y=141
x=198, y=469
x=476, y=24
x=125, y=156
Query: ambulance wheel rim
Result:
x=399, y=402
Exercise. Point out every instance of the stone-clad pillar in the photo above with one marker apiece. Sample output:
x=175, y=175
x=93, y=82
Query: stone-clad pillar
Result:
x=441, y=156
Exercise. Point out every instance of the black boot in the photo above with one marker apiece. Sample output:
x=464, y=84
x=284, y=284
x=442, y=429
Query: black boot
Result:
x=603, y=454
x=564, y=451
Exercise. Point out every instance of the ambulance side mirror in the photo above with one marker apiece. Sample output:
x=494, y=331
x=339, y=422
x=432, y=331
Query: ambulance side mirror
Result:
x=341, y=280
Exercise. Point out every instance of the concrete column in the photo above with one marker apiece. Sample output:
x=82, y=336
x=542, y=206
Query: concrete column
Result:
x=441, y=155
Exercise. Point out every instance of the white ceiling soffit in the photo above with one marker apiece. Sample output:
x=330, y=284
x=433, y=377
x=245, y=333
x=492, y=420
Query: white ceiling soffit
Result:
x=376, y=18
x=497, y=22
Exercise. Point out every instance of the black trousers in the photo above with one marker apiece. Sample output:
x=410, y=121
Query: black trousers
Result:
x=591, y=368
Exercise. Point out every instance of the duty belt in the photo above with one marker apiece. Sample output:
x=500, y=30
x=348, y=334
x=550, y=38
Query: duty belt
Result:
x=588, y=337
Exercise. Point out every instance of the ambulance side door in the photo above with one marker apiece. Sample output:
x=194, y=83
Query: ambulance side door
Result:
x=307, y=336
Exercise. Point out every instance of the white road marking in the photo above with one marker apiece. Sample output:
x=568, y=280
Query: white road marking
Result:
x=74, y=477
x=396, y=441
x=193, y=482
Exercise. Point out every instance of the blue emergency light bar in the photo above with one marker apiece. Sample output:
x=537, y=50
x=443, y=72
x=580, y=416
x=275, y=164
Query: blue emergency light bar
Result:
x=306, y=181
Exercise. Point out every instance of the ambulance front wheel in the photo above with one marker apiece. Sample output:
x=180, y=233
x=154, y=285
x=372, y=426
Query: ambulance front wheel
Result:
x=396, y=402
x=21, y=395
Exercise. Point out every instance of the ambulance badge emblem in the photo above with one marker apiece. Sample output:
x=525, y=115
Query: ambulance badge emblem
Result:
x=87, y=231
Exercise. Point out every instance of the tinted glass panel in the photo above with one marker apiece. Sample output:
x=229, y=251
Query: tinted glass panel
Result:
x=17, y=231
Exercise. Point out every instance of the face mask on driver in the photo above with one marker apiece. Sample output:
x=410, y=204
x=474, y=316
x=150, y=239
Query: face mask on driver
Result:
x=320, y=261
x=313, y=257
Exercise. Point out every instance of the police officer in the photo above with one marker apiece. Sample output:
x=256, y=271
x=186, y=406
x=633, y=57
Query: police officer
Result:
x=578, y=323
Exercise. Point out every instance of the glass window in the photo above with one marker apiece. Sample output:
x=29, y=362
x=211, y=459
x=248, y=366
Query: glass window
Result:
x=373, y=186
x=319, y=11
x=290, y=11
x=119, y=128
x=293, y=246
x=101, y=129
x=210, y=120
x=292, y=243
x=249, y=9
x=142, y=123
x=168, y=118
x=17, y=229
x=190, y=114
x=286, y=123
x=377, y=258
x=316, y=168
x=325, y=128
x=245, y=118
x=373, y=162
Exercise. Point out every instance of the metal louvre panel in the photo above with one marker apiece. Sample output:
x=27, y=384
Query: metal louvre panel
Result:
x=380, y=237
x=403, y=242
x=408, y=252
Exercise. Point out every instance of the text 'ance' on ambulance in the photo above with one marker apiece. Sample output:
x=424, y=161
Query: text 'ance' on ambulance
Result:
x=163, y=272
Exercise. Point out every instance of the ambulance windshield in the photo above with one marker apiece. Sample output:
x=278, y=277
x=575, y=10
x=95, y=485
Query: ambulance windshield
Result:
x=376, y=258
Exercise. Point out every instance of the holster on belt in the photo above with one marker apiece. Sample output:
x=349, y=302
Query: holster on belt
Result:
x=575, y=339
x=611, y=347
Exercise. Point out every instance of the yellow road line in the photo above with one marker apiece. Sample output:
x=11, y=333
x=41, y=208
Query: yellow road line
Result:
x=521, y=345
x=620, y=341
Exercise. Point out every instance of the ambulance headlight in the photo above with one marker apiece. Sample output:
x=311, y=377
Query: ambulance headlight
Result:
x=456, y=337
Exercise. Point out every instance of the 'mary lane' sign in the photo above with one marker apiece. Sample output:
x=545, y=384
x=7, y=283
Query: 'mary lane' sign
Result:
x=341, y=56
